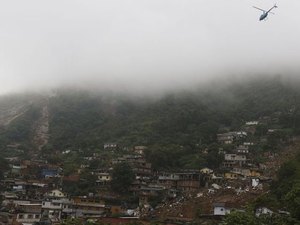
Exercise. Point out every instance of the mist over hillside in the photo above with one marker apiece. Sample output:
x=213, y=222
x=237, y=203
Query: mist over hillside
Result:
x=80, y=119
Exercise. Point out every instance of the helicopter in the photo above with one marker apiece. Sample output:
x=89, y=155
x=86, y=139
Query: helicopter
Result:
x=265, y=12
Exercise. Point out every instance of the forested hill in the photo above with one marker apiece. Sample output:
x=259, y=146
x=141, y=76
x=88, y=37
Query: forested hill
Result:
x=81, y=119
x=185, y=118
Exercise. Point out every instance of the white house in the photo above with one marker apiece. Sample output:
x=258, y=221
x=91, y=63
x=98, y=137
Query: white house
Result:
x=220, y=209
x=251, y=123
x=263, y=211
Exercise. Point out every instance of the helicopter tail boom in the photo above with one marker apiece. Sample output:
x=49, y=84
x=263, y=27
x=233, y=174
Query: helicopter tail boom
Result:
x=274, y=7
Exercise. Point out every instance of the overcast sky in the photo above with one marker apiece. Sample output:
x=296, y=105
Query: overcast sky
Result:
x=147, y=45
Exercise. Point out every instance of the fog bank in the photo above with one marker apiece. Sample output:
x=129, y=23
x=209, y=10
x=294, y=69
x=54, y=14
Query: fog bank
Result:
x=143, y=46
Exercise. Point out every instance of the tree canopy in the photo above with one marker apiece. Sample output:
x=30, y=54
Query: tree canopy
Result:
x=122, y=178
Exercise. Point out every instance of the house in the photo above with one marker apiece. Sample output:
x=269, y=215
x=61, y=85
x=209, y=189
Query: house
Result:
x=220, y=209
x=243, y=149
x=29, y=207
x=152, y=190
x=103, y=179
x=110, y=146
x=52, y=209
x=28, y=213
x=240, y=134
x=55, y=194
x=206, y=171
x=16, y=169
x=139, y=149
x=168, y=180
x=18, y=188
x=230, y=137
x=28, y=218
x=248, y=143
x=263, y=211
x=252, y=123
x=86, y=206
x=138, y=164
x=189, y=181
x=47, y=173
x=226, y=138
x=67, y=208
x=136, y=186
x=10, y=195
x=234, y=159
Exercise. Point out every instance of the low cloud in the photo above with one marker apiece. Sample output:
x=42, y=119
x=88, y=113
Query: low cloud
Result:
x=141, y=45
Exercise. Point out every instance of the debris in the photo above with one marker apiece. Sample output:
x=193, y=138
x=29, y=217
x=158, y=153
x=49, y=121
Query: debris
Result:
x=216, y=186
x=200, y=194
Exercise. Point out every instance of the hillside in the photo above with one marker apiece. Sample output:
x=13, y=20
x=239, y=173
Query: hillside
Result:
x=181, y=137
x=81, y=119
x=86, y=120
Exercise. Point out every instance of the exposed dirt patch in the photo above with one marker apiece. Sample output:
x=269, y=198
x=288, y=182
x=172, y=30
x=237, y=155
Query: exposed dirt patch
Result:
x=41, y=133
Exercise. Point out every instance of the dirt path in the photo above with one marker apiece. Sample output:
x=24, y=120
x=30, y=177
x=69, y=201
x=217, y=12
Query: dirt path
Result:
x=41, y=135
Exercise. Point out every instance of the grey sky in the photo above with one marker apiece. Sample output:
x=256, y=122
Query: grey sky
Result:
x=143, y=44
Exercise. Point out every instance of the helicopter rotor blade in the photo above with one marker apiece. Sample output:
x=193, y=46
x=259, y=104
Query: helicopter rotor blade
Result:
x=259, y=9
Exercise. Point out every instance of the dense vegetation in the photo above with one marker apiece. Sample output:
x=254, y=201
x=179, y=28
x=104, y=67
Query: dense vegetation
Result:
x=287, y=188
x=249, y=218
x=175, y=127
x=122, y=178
x=20, y=130
x=81, y=119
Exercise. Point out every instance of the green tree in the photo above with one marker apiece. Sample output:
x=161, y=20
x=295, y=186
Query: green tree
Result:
x=240, y=218
x=292, y=200
x=213, y=158
x=122, y=178
x=249, y=218
x=72, y=221
x=3, y=167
